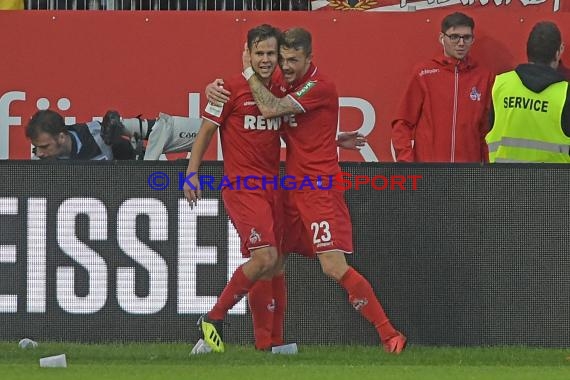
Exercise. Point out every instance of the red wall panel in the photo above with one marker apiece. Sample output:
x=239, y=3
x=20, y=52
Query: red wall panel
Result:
x=146, y=62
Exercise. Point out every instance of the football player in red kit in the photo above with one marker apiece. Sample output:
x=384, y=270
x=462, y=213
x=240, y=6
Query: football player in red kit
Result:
x=318, y=221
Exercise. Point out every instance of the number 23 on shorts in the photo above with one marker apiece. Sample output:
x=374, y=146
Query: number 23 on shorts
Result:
x=321, y=232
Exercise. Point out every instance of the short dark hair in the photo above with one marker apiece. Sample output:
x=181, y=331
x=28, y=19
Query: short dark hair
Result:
x=298, y=39
x=457, y=19
x=262, y=33
x=45, y=121
x=543, y=42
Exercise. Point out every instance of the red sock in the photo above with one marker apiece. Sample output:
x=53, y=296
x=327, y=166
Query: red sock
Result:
x=261, y=304
x=280, y=297
x=362, y=297
x=234, y=291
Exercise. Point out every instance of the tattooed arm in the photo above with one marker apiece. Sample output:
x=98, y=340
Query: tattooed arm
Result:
x=269, y=105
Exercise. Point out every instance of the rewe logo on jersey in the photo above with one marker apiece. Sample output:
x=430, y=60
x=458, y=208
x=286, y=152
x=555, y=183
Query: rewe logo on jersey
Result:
x=261, y=124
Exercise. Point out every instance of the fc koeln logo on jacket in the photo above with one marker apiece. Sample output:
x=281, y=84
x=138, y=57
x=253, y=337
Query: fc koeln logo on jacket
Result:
x=475, y=94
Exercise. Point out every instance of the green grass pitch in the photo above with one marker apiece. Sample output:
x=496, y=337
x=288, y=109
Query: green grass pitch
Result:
x=172, y=361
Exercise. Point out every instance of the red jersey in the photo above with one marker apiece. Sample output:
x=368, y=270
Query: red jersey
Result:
x=250, y=143
x=445, y=112
x=311, y=135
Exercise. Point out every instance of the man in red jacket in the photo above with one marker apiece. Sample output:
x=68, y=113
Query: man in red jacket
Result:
x=443, y=114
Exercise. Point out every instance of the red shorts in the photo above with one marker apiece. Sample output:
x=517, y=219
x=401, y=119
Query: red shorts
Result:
x=317, y=221
x=257, y=216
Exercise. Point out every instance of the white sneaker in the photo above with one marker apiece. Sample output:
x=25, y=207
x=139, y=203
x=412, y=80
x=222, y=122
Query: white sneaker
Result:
x=201, y=347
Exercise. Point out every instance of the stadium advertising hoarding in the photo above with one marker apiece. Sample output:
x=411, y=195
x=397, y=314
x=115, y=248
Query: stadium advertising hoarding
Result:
x=469, y=256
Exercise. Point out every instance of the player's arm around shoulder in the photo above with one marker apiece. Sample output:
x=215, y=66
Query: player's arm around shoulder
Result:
x=269, y=105
x=216, y=93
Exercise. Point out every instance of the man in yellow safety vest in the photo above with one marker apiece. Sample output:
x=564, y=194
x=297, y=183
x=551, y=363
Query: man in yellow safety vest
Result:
x=530, y=117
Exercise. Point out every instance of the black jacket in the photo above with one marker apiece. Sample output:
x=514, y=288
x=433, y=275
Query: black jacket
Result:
x=92, y=145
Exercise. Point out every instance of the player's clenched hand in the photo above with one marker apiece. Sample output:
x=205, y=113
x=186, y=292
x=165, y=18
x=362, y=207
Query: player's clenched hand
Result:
x=216, y=93
x=192, y=193
x=351, y=140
